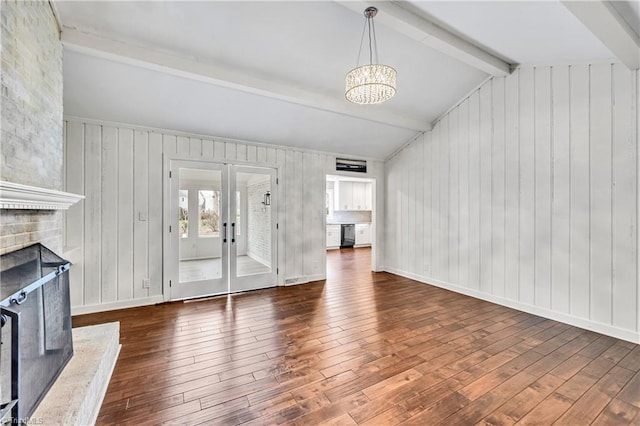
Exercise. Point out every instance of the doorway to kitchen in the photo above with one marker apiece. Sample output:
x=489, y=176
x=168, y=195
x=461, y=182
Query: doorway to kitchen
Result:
x=221, y=233
x=350, y=215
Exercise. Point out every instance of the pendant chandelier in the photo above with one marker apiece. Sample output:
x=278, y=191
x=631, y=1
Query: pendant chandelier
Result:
x=373, y=83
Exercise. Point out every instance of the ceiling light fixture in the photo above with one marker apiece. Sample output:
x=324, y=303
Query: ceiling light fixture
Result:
x=372, y=83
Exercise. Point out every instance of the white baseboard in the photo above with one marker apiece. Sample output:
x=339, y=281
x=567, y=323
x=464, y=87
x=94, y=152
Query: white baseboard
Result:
x=120, y=304
x=598, y=327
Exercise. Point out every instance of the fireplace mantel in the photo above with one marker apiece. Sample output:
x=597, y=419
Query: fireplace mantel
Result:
x=25, y=197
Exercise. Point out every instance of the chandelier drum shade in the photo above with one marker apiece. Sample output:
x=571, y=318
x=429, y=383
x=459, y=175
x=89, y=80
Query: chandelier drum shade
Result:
x=372, y=83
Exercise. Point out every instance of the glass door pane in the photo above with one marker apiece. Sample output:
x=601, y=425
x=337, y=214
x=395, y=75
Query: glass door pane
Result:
x=200, y=217
x=252, y=254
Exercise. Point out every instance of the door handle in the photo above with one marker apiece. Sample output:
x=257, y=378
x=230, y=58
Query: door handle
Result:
x=233, y=232
x=224, y=235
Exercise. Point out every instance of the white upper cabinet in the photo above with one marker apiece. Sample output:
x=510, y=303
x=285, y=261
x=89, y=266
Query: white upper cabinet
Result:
x=358, y=196
x=353, y=195
x=345, y=196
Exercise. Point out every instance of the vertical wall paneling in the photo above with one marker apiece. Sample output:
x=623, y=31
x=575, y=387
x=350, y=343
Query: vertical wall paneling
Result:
x=109, y=190
x=600, y=109
x=537, y=205
x=241, y=152
x=428, y=230
x=403, y=220
x=542, y=186
x=486, y=143
x=420, y=205
x=207, y=148
x=307, y=181
x=527, y=186
x=169, y=144
x=474, y=191
x=443, y=208
x=318, y=222
x=93, y=210
x=580, y=204
x=390, y=217
x=272, y=155
x=183, y=146
x=561, y=191
x=435, y=201
x=141, y=212
x=454, y=198
x=218, y=149
x=282, y=212
x=463, y=202
x=512, y=187
x=251, y=153
x=290, y=216
x=298, y=208
x=409, y=221
x=195, y=147
x=261, y=154
x=74, y=218
x=624, y=151
x=498, y=187
x=308, y=186
x=155, y=205
x=230, y=151
x=125, y=214
x=635, y=120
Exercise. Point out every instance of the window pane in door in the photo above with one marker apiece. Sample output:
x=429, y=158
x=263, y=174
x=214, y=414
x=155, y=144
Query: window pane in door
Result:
x=254, y=248
x=183, y=218
x=209, y=213
x=238, y=213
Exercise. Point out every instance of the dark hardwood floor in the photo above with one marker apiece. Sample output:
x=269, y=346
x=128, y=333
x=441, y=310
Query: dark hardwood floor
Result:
x=363, y=348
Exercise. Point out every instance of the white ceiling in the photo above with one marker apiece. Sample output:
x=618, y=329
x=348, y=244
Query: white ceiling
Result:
x=213, y=67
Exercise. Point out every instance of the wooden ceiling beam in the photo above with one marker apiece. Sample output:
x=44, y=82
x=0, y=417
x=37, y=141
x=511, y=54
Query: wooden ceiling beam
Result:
x=601, y=18
x=411, y=22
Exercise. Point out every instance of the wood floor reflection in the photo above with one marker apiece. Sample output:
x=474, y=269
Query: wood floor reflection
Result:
x=362, y=348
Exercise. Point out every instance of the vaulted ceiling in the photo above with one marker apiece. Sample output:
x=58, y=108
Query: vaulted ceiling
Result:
x=273, y=72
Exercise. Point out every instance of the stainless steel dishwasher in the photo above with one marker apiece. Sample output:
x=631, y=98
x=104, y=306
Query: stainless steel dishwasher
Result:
x=347, y=235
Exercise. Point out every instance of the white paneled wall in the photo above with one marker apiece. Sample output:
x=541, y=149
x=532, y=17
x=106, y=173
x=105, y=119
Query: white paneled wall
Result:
x=114, y=237
x=526, y=194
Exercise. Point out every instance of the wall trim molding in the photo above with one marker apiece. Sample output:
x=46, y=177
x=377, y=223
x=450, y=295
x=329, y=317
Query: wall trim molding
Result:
x=586, y=324
x=26, y=197
x=112, y=306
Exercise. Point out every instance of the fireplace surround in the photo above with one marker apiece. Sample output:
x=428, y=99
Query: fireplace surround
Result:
x=36, y=328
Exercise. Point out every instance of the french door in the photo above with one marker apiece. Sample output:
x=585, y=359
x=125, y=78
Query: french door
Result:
x=222, y=229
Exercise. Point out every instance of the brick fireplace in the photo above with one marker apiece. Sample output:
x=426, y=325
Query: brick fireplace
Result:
x=31, y=144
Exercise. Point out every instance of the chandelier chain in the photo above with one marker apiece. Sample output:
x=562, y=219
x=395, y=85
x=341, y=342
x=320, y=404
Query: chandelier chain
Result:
x=364, y=27
x=375, y=41
x=370, y=51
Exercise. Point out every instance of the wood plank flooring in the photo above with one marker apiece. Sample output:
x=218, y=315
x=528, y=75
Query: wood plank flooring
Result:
x=363, y=348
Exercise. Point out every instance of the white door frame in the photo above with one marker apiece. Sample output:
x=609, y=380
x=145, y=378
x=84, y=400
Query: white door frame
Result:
x=169, y=272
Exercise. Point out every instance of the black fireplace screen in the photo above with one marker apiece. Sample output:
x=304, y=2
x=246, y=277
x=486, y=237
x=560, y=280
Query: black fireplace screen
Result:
x=36, y=327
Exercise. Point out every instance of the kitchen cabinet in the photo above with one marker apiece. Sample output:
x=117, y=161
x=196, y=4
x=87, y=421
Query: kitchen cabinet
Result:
x=353, y=196
x=358, y=196
x=368, y=196
x=363, y=234
x=345, y=195
x=333, y=236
